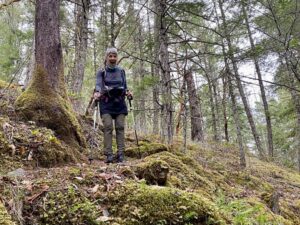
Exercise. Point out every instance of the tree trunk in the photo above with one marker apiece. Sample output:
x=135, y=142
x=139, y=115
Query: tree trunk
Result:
x=141, y=73
x=262, y=88
x=212, y=107
x=82, y=8
x=233, y=100
x=239, y=84
x=45, y=100
x=296, y=99
x=195, y=108
x=155, y=74
x=161, y=9
x=224, y=108
x=212, y=100
x=30, y=67
x=216, y=96
x=112, y=22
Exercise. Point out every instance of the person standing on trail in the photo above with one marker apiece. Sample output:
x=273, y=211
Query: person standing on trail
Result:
x=111, y=90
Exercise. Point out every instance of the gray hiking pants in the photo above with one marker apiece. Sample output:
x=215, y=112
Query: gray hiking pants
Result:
x=108, y=133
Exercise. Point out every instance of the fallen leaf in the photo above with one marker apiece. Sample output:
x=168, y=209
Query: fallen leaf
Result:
x=94, y=189
x=105, y=176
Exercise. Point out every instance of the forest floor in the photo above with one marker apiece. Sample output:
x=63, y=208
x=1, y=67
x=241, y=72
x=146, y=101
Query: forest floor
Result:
x=44, y=181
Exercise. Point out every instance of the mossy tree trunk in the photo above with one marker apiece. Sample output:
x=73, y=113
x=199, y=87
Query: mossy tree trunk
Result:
x=45, y=100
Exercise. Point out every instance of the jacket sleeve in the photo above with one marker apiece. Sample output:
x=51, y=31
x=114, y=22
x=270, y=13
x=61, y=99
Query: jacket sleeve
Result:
x=99, y=81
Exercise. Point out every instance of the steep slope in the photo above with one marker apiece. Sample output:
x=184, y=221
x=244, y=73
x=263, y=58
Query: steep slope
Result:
x=43, y=182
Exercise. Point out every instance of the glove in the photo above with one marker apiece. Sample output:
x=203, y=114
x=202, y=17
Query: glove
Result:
x=97, y=95
x=129, y=95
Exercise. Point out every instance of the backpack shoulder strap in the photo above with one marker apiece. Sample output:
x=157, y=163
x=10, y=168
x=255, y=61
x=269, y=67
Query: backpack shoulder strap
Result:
x=123, y=75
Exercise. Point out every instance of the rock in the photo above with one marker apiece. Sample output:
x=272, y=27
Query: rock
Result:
x=17, y=173
x=103, y=219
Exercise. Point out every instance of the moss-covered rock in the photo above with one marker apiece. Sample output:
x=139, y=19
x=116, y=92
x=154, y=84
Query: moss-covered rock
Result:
x=189, y=175
x=153, y=171
x=145, y=149
x=66, y=207
x=142, y=204
x=20, y=140
x=5, y=219
x=49, y=108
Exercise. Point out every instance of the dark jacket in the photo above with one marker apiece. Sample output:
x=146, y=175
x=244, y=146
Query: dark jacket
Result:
x=112, y=85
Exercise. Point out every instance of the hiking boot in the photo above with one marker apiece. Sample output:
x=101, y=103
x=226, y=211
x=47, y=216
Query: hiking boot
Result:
x=109, y=159
x=120, y=157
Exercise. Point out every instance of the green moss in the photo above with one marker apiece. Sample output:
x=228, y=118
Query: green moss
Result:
x=249, y=211
x=145, y=149
x=49, y=108
x=153, y=171
x=189, y=175
x=52, y=153
x=142, y=204
x=288, y=211
x=67, y=207
x=127, y=172
x=5, y=219
x=245, y=179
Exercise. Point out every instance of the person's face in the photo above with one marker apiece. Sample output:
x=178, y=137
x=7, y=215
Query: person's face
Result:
x=112, y=58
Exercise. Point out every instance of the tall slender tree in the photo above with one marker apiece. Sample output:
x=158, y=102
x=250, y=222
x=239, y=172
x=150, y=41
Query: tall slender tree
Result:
x=161, y=9
x=261, y=84
x=82, y=8
x=239, y=82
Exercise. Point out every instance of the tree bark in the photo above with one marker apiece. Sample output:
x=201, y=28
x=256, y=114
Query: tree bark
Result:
x=161, y=9
x=112, y=22
x=262, y=88
x=212, y=100
x=45, y=100
x=224, y=108
x=141, y=74
x=155, y=74
x=82, y=9
x=195, y=108
x=30, y=67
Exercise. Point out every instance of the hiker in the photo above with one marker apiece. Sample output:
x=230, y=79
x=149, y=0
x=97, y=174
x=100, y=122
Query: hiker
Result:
x=111, y=90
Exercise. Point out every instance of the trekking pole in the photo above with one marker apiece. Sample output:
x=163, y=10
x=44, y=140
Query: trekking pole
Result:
x=95, y=127
x=134, y=123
